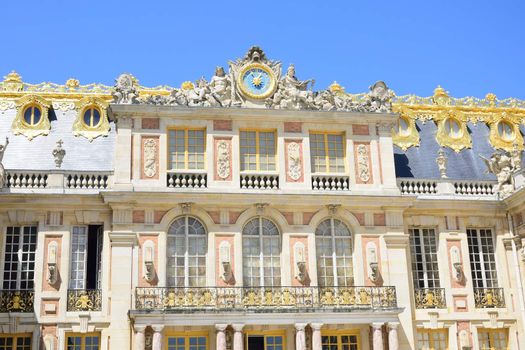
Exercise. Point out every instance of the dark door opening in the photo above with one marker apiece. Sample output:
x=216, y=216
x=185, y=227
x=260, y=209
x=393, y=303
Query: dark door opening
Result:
x=255, y=342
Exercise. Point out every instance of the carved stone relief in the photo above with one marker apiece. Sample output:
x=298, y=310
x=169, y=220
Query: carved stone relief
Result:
x=223, y=162
x=362, y=153
x=150, y=158
x=294, y=167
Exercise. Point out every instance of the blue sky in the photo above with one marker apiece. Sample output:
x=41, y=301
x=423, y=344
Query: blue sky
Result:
x=468, y=47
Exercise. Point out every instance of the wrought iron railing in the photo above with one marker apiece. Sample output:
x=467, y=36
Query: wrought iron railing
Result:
x=430, y=298
x=489, y=297
x=16, y=300
x=260, y=298
x=84, y=300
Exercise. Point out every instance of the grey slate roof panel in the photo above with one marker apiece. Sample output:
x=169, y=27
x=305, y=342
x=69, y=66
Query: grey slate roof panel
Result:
x=81, y=155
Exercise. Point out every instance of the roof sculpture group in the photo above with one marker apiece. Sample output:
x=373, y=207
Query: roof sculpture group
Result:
x=256, y=81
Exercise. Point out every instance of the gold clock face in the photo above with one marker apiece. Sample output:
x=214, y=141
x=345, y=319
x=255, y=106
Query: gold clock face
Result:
x=257, y=81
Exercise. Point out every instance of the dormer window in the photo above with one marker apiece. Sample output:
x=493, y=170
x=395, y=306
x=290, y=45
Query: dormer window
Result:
x=506, y=131
x=32, y=115
x=92, y=117
x=453, y=128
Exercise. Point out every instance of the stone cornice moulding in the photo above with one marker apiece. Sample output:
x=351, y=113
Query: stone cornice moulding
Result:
x=396, y=241
x=123, y=238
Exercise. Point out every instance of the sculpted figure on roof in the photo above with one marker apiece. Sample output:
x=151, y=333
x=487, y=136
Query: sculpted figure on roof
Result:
x=220, y=86
x=379, y=98
x=125, y=91
x=293, y=93
x=502, y=164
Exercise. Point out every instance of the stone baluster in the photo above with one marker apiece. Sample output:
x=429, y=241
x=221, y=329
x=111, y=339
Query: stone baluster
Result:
x=238, y=342
x=300, y=336
x=393, y=340
x=316, y=336
x=157, y=337
x=221, y=336
x=140, y=337
x=377, y=339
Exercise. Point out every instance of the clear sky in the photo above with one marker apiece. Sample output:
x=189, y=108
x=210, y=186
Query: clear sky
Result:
x=468, y=47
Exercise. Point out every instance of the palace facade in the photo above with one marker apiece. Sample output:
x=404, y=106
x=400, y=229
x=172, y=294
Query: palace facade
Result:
x=249, y=212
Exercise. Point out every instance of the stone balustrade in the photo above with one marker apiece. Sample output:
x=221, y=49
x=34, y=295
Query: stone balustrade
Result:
x=330, y=182
x=446, y=187
x=260, y=181
x=178, y=179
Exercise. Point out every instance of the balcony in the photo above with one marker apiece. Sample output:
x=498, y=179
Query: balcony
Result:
x=456, y=189
x=264, y=299
x=259, y=181
x=489, y=298
x=187, y=179
x=16, y=300
x=84, y=300
x=430, y=298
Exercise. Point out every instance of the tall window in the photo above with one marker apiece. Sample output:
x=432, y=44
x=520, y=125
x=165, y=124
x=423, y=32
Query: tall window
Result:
x=186, y=253
x=340, y=341
x=86, y=257
x=493, y=339
x=261, y=253
x=83, y=342
x=187, y=342
x=258, y=150
x=15, y=342
x=19, y=265
x=482, y=260
x=423, y=246
x=333, y=242
x=186, y=149
x=432, y=339
x=327, y=153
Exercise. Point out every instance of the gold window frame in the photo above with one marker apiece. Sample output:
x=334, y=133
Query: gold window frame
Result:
x=83, y=336
x=491, y=332
x=430, y=338
x=341, y=333
x=264, y=333
x=20, y=127
x=444, y=138
x=258, y=150
x=326, y=149
x=169, y=164
x=80, y=128
x=187, y=335
x=499, y=142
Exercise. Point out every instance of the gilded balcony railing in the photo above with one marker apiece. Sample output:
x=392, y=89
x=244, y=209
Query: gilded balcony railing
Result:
x=489, y=297
x=84, y=300
x=430, y=298
x=260, y=298
x=16, y=300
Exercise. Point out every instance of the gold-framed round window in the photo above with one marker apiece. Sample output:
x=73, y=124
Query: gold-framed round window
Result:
x=403, y=127
x=32, y=115
x=91, y=117
x=506, y=131
x=453, y=128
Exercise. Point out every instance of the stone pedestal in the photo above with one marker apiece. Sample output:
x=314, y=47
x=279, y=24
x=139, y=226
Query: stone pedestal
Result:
x=393, y=340
x=300, y=336
x=316, y=336
x=377, y=336
x=140, y=338
x=221, y=336
x=238, y=341
x=157, y=337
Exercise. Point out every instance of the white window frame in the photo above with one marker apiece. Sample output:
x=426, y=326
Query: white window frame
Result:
x=262, y=256
x=73, y=267
x=481, y=254
x=424, y=251
x=334, y=238
x=20, y=257
x=186, y=252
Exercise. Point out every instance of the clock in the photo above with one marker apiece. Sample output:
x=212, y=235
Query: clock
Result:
x=257, y=81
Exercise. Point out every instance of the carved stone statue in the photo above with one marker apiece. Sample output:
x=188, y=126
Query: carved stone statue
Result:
x=379, y=98
x=502, y=165
x=441, y=161
x=59, y=153
x=125, y=91
x=3, y=175
x=293, y=93
x=198, y=96
x=220, y=88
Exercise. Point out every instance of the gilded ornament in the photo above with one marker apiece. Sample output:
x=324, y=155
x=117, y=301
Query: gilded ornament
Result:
x=452, y=130
x=38, y=123
x=187, y=85
x=441, y=97
x=5, y=105
x=491, y=99
x=72, y=83
x=12, y=82
x=336, y=88
x=406, y=135
x=84, y=125
x=505, y=132
x=256, y=81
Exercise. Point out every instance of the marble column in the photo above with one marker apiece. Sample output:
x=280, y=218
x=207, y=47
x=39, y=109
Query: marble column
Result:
x=221, y=336
x=238, y=341
x=317, y=343
x=377, y=338
x=140, y=337
x=393, y=340
x=300, y=336
x=157, y=337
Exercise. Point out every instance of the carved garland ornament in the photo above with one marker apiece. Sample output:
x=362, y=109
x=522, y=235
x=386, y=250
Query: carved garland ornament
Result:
x=363, y=168
x=223, y=159
x=81, y=127
x=294, y=161
x=39, y=122
x=150, y=158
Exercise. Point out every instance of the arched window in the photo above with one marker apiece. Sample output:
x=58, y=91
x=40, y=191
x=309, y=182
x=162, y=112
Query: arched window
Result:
x=261, y=253
x=333, y=241
x=186, y=253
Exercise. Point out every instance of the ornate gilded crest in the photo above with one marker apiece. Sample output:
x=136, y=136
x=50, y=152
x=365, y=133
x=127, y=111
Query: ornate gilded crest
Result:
x=32, y=117
x=452, y=130
x=92, y=120
x=505, y=132
x=404, y=134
